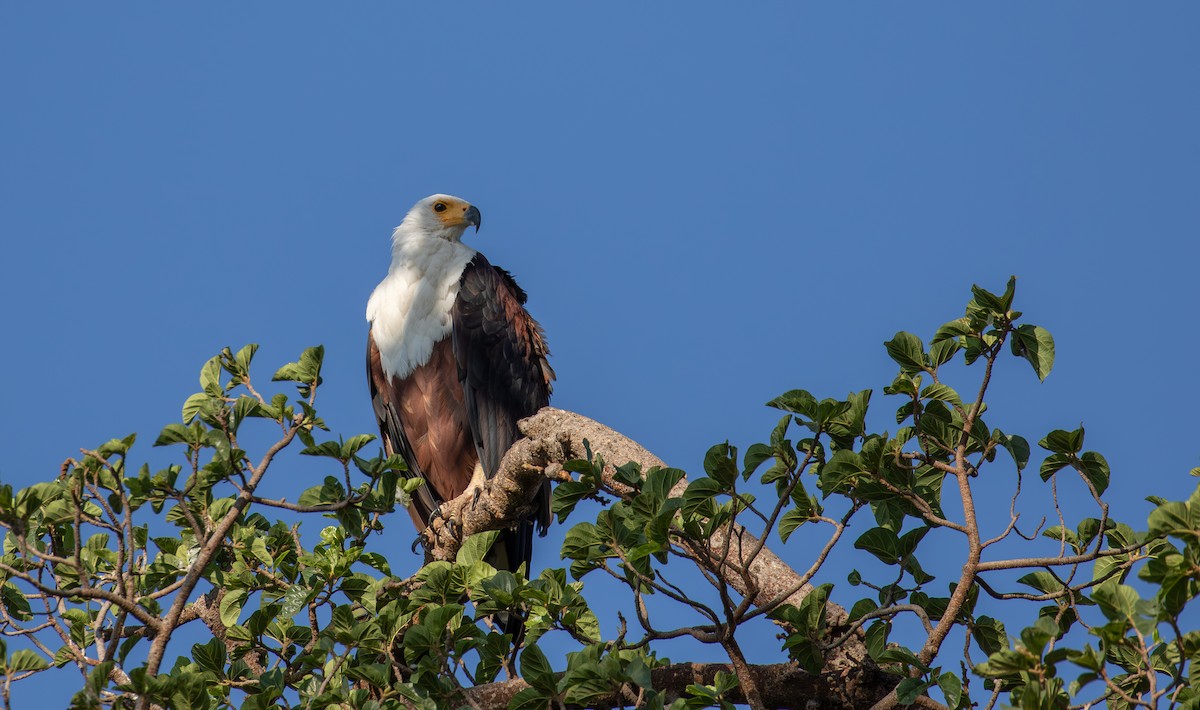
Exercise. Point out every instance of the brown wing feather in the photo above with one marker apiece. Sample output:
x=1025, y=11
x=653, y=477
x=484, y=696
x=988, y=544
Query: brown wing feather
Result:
x=422, y=418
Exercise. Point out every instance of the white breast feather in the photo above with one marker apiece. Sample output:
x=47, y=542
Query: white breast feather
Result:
x=409, y=311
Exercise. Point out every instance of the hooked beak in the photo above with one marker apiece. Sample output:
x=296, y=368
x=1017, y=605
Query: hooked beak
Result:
x=473, y=217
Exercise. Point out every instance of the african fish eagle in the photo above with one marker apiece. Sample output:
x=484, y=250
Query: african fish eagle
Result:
x=454, y=361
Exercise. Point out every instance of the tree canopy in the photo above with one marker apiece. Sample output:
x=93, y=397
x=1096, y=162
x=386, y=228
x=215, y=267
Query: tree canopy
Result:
x=107, y=566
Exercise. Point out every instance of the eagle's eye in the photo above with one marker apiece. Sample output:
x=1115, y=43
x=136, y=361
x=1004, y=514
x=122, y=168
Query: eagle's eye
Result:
x=439, y=207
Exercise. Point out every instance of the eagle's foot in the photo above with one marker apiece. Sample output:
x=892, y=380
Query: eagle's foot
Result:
x=447, y=521
x=435, y=516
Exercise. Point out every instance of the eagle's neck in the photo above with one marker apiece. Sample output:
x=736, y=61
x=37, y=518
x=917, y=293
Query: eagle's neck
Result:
x=409, y=310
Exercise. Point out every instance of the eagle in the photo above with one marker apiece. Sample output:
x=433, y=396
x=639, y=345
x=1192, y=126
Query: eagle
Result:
x=454, y=361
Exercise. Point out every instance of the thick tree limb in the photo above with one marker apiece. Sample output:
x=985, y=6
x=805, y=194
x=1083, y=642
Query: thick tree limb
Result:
x=555, y=436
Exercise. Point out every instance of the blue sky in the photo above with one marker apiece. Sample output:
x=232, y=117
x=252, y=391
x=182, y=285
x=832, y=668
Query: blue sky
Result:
x=707, y=207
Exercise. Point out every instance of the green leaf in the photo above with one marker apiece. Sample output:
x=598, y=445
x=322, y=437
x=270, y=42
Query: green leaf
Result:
x=65, y=655
x=16, y=604
x=942, y=393
x=354, y=444
x=377, y=675
x=1016, y=446
x=118, y=447
x=659, y=482
x=1087, y=658
x=876, y=638
x=976, y=345
x=908, y=352
x=210, y=377
x=210, y=656
x=231, y=606
x=862, y=607
x=293, y=600
x=306, y=371
x=1010, y=290
x=849, y=423
x=1036, y=345
x=755, y=456
x=536, y=670
x=1062, y=534
x=1035, y=637
x=951, y=687
x=26, y=660
x=790, y=521
x=530, y=699
x=567, y=495
x=805, y=652
x=330, y=449
x=331, y=491
x=193, y=404
x=193, y=435
x=245, y=355
x=882, y=543
x=982, y=298
x=720, y=463
x=245, y=406
x=1052, y=464
x=952, y=330
x=1061, y=441
x=909, y=690
x=1042, y=581
x=1003, y=663
x=909, y=541
x=903, y=385
x=989, y=634
x=1095, y=469
x=629, y=473
x=475, y=547
x=796, y=402
x=813, y=607
x=699, y=492
x=1172, y=518
x=842, y=471
x=941, y=351
x=1117, y=601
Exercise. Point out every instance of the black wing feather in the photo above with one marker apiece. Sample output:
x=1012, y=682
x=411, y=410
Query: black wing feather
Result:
x=502, y=364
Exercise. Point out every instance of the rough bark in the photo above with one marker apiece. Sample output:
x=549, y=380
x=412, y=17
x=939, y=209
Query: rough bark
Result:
x=553, y=437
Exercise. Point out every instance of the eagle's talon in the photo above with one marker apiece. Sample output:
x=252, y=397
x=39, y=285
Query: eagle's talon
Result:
x=436, y=514
x=448, y=522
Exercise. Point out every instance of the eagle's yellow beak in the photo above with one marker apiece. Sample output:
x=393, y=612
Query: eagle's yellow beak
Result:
x=473, y=217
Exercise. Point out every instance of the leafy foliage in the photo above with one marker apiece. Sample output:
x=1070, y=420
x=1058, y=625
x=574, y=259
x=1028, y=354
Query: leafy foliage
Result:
x=103, y=564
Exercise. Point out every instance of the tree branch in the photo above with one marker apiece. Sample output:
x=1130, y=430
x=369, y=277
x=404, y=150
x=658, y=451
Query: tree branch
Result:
x=555, y=436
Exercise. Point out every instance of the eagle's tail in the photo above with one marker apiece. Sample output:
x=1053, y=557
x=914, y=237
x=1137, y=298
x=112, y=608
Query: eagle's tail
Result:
x=512, y=549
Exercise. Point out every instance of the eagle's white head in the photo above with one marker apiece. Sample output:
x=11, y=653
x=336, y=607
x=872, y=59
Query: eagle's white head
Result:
x=409, y=310
x=439, y=216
